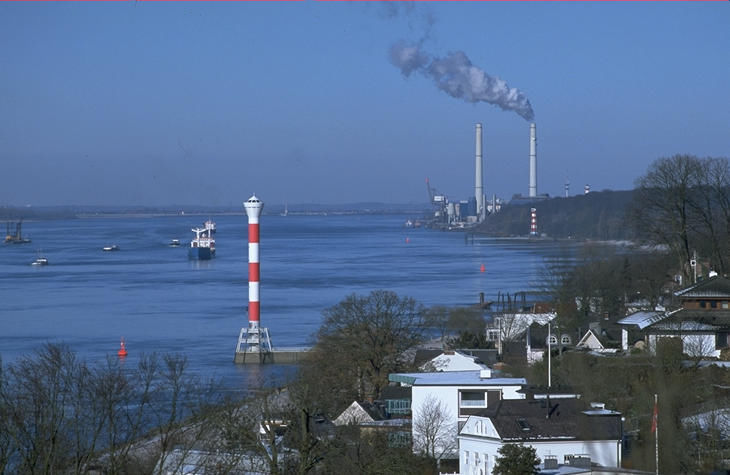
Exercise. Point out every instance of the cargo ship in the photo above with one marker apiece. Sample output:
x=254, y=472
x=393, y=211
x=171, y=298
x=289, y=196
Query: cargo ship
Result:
x=202, y=247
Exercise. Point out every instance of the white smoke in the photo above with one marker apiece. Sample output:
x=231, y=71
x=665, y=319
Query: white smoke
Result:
x=458, y=77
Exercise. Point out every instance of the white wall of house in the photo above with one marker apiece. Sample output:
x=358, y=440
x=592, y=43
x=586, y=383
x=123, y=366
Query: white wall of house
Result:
x=448, y=396
x=695, y=344
x=479, y=444
x=535, y=356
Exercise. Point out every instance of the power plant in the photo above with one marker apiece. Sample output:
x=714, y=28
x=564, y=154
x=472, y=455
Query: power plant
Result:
x=450, y=214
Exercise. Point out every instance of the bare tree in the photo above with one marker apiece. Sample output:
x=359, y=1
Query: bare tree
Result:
x=367, y=336
x=683, y=202
x=437, y=317
x=434, y=433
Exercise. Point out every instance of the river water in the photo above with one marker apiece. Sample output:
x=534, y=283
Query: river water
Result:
x=159, y=301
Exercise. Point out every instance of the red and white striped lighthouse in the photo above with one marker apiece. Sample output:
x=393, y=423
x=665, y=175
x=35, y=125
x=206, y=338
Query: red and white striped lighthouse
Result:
x=533, y=221
x=254, y=340
x=253, y=209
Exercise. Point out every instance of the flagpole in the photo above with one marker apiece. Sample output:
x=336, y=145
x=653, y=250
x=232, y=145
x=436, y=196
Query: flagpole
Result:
x=549, y=353
x=656, y=435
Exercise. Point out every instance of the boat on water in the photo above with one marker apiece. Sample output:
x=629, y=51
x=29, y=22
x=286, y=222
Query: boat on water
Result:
x=113, y=247
x=174, y=243
x=17, y=237
x=40, y=260
x=202, y=247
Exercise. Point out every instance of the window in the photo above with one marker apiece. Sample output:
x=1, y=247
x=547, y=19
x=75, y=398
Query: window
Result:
x=398, y=406
x=721, y=340
x=466, y=457
x=553, y=340
x=713, y=304
x=725, y=305
x=472, y=399
x=523, y=424
x=565, y=340
x=703, y=304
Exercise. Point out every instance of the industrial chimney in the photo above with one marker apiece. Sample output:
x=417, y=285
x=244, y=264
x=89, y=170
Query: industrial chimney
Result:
x=478, y=186
x=533, y=161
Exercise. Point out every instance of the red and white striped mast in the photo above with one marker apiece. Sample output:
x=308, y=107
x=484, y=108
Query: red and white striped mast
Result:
x=533, y=222
x=253, y=210
x=254, y=338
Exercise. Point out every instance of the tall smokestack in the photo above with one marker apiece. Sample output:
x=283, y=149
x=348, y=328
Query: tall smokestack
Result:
x=533, y=161
x=478, y=186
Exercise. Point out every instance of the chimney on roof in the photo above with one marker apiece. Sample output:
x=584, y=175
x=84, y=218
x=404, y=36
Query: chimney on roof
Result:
x=579, y=461
x=551, y=462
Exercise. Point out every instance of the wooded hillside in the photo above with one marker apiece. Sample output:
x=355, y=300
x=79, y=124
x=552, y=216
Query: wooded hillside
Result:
x=597, y=215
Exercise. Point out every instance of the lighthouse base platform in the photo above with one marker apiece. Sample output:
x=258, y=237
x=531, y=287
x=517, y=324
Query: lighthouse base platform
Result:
x=254, y=347
x=275, y=356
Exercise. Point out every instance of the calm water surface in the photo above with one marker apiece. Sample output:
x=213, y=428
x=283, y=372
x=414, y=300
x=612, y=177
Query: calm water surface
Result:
x=158, y=300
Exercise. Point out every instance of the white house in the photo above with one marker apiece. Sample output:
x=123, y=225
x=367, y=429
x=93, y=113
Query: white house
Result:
x=455, y=395
x=558, y=429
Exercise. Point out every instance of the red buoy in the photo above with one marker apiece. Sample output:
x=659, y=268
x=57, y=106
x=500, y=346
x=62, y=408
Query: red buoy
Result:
x=122, y=349
x=482, y=268
x=408, y=240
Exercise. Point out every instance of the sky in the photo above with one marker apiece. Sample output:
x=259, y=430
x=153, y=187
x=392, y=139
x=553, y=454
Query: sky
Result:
x=205, y=103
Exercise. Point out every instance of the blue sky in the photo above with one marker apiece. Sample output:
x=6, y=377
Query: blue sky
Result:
x=162, y=103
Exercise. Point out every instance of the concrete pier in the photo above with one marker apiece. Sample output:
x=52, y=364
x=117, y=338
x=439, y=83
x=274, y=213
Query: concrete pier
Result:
x=275, y=356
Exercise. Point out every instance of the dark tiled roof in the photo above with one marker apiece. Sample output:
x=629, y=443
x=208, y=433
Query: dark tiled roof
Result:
x=424, y=355
x=718, y=287
x=523, y=419
x=485, y=356
x=374, y=410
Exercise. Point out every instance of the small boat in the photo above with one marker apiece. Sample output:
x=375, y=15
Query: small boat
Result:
x=174, y=243
x=202, y=247
x=113, y=247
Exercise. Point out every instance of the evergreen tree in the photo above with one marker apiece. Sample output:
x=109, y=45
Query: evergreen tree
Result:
x=516, y=459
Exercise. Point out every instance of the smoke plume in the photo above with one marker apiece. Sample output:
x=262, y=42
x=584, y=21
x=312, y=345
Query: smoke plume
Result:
x=458, y=77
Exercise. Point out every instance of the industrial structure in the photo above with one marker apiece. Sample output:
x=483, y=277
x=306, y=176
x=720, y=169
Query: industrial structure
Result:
x=464, y=213
x=17, y=237
x=532, y=193
x=533, y=161
x=478, y=175
x=448, y=214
